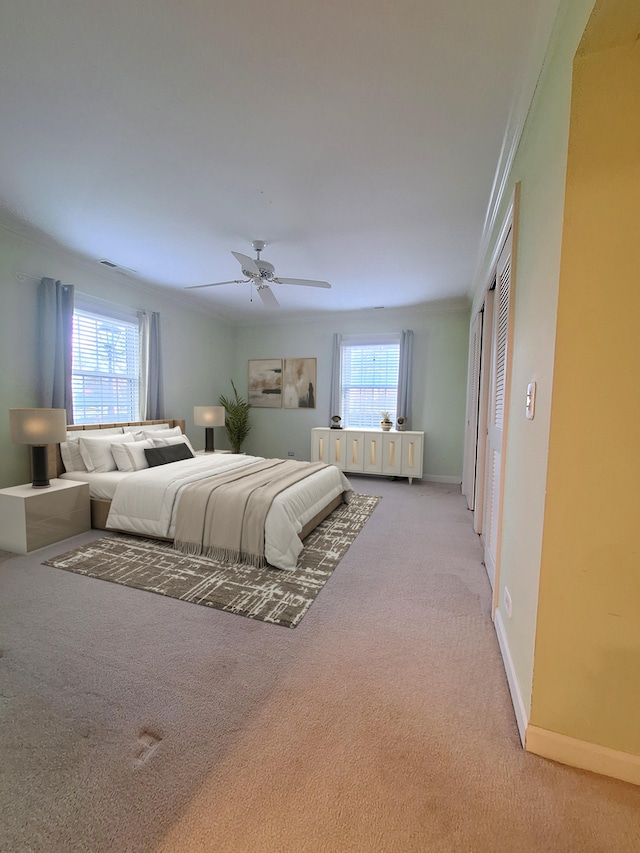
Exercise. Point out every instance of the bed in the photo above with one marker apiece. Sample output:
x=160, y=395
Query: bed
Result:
x=146, y=502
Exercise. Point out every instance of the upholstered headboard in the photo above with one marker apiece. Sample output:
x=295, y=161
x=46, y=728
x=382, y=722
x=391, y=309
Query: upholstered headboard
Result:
x=55, y=459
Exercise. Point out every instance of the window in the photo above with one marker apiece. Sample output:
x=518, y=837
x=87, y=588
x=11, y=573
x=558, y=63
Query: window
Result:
x=106, y=364
x=369, y=372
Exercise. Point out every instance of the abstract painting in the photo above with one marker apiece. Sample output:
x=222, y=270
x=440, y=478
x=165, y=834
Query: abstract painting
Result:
x=265, y=383
x=299, y=389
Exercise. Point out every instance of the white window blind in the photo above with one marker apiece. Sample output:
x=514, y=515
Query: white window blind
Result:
x=369, y=381
x=106, y=367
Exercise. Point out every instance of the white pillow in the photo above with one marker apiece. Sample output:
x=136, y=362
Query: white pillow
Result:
x=96, y=452
x=129, y=455
x=148, y=426
x=70, y=452
x=70, y=449
x=172, y=439
x=161, y=433
x=137, y=429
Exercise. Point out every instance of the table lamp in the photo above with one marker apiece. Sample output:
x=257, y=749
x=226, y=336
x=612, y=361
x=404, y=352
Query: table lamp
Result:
x=209, y=417
x=38, y=428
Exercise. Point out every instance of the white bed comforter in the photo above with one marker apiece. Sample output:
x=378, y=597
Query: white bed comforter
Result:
x=146, y=501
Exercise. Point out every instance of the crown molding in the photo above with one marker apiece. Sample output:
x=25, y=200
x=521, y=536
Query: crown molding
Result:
x=25, y=231
x=534, y=63
x=455, y=305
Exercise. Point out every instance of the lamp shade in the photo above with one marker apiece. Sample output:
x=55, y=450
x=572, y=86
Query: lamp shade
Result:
x=208, y=416
x=38, y=426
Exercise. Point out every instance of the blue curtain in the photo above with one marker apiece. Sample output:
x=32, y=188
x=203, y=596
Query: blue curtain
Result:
x=151, y=380
x=335, y=395
x=405, y=376
x=55, y=329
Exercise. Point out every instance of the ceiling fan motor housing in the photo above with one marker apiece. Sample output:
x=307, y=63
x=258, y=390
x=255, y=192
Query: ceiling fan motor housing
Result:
x=267, y=270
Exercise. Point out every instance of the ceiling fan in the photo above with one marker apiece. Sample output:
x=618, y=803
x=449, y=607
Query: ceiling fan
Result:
x=262, y=274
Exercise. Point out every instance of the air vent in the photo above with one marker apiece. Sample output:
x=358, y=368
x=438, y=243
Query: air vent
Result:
x=112, y=266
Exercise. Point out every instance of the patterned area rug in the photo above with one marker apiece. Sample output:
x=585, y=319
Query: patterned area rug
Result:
x=272, y=595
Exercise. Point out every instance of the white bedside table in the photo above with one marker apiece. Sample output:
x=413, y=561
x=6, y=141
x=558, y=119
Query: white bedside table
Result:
x=32, y=518
x=207, y=452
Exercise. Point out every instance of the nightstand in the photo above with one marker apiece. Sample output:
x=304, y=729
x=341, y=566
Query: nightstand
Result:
x=32, y=518
x=207, y=452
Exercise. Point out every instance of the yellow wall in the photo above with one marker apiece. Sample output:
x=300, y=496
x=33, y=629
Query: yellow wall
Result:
x=586, y=681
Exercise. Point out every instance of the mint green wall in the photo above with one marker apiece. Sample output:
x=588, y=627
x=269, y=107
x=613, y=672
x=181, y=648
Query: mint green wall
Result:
x=197, y=348
x=440, y=362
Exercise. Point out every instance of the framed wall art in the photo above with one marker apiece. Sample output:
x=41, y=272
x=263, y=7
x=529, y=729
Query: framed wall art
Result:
x=299, y=383
x=265, y=383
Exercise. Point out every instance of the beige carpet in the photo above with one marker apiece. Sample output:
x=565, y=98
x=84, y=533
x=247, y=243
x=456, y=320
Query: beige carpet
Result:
x=132, y=723
x=271, y=595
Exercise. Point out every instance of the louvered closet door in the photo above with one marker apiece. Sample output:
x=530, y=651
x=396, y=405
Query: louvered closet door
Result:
x=497, y=411
x=473, y=395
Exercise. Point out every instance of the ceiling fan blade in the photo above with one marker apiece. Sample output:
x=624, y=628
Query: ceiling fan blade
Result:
x=246, y=263
x=267, y=296
x=305, y=281
x=218, y=283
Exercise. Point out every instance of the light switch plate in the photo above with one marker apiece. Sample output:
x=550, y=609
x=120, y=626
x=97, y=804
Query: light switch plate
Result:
x=531, y=400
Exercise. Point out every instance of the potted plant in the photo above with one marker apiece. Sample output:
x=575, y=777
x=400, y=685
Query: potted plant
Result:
x=386, y=423
x=237, y=419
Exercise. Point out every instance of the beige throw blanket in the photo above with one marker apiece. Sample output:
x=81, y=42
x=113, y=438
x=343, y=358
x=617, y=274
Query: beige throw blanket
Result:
x=223, y=515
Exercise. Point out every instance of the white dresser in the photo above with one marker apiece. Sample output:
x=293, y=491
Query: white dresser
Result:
x=396, y=454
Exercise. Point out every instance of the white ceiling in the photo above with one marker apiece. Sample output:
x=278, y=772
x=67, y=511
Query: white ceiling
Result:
x=358, y=139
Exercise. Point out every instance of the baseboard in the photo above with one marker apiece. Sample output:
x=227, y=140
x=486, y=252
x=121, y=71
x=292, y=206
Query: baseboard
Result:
x=582, y=754
x=522, y=718
x=561, y=748
x=441, y=478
